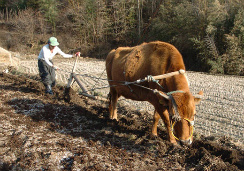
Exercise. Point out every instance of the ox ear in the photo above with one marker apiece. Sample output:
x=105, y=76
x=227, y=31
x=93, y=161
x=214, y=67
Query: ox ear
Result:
x=162, y=97
x=198, y=97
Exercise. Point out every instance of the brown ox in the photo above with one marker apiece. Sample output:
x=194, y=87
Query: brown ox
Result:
x=172, y=99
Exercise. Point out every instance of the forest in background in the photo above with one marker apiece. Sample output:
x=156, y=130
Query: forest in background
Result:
x=208, y=33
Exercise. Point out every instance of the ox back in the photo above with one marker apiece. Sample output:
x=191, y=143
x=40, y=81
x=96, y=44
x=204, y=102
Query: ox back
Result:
x=133, y=63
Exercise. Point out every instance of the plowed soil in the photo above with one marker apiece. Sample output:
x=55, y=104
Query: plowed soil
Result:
x=69, y=132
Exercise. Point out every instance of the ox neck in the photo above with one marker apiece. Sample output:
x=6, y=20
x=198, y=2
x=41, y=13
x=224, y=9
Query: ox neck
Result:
x=176, y=83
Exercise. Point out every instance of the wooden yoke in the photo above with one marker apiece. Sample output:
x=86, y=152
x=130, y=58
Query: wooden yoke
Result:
x=158, y=77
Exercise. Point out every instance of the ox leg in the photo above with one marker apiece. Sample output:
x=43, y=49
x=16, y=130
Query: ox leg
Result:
x=165, y=116
x=156, y=118
x=112, y=104
x=168, y=126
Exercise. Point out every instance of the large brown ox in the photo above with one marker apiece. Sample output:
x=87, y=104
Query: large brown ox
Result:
x=173, y=100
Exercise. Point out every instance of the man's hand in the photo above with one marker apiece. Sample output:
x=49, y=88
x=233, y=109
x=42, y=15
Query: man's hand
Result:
x=77, y=54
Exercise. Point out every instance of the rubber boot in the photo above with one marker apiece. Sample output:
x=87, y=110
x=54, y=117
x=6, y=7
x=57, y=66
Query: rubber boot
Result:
x=53, y=84
x=49, y=89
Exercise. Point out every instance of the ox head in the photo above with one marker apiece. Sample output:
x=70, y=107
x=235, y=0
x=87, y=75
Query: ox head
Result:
x=181, y=108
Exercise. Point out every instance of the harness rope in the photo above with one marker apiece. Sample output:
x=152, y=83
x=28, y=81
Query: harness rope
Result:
x=191, y=126
x=176, y=117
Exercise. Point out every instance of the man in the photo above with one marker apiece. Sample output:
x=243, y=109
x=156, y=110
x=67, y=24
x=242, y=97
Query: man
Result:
x=46, y=66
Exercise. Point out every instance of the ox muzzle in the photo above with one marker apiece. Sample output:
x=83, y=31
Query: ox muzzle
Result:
x=187, y=141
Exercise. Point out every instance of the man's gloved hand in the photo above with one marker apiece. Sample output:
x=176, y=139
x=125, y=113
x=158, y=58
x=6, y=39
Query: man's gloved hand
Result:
x=77, y=54
x=55, y=67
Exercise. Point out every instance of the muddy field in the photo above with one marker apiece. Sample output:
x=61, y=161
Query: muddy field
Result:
x=69, y=132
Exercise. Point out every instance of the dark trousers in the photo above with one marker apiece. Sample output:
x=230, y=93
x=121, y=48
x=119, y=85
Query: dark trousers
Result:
x=47, y=73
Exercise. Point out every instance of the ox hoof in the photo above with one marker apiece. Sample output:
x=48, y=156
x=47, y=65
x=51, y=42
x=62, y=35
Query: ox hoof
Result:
x=173, y=145
x=153, y=137
x=176, y=144
x=113, y=122
x=114, y=119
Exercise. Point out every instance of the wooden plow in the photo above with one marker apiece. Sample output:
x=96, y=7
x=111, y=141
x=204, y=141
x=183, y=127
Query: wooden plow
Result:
x=85, y=92
x=74, y=77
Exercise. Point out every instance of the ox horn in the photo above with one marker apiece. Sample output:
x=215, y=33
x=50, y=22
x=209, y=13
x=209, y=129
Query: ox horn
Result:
x=198, y=96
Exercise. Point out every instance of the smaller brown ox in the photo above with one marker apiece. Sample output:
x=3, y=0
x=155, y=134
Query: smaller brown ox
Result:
x=173, y=101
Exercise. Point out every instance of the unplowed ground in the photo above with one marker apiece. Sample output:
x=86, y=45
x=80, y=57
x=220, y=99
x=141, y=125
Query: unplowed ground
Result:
x=69, y=132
